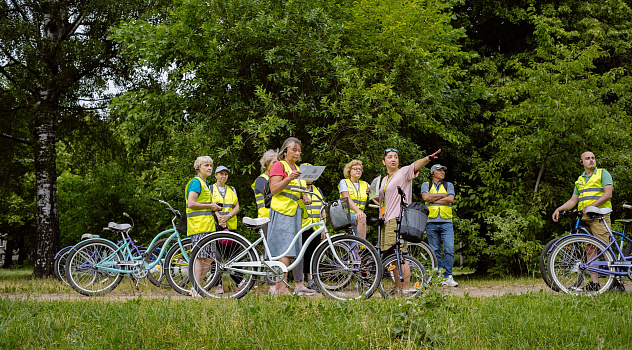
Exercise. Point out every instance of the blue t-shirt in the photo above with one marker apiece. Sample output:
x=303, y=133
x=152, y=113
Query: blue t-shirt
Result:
x=195, y=186
x=425, y=188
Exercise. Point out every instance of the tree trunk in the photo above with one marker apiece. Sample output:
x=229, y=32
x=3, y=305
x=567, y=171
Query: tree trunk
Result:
x=46, y=215
x=8, y=254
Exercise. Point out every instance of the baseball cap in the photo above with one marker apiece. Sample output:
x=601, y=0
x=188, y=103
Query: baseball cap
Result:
x=220, y=168
x=437, y=167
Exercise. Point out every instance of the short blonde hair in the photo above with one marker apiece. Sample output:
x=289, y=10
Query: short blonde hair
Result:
x=350, y=165
x=202, y=160
x=267, y=158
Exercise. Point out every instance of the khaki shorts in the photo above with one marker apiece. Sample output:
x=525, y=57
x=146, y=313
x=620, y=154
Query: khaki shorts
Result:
x=597, y=228
x=389, y=236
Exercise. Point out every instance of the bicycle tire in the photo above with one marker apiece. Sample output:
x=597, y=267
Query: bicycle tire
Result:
x=565, y=270
x=425, y=255
x=157, y=275
x=360, y=274
x=224, y=247
x=416, y=275
x=177, y=267
x=59, y=265
x=543, y=261
x=81, y=273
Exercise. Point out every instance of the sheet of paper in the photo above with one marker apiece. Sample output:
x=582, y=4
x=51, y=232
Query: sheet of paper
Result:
x=311, y=172
x=375, y=187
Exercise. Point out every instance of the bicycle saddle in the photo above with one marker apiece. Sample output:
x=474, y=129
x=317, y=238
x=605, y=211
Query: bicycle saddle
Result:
x=255, y=223
x=595, y=212
x=88, y=235
x=119, y=227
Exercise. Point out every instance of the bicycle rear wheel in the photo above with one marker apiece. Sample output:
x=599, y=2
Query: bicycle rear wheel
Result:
x=59, y=266
x=413, y=272
x=566, y=266
x=350, y=269
x=213, y=258
x=424, y=254
x=177, y=267
x=81, y=272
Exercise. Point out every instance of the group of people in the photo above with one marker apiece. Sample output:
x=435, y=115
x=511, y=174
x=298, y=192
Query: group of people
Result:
x=280, y=195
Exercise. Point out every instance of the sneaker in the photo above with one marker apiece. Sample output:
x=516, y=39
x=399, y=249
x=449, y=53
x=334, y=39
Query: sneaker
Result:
x=592, y=287
x=219, y=289
x=193, y=293
x=450, y=282
x=617, y=287
x=304, y=291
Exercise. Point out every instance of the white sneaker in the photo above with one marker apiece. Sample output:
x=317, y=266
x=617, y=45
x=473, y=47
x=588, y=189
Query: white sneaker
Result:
x=450, y=282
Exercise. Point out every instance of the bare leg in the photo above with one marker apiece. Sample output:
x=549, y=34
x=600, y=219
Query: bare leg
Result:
x=202, y=265
x=361, y=227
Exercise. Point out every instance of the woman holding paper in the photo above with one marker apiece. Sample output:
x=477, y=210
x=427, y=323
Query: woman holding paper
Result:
x=286, y=211
x=357, y=192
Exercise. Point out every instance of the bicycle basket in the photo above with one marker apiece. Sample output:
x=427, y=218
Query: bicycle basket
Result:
x=414, y=222
x=338, y=214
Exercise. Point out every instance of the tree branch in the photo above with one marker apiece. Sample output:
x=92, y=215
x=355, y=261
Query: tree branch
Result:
x=17, y=139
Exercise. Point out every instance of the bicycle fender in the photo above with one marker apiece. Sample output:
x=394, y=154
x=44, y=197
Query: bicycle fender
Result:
x=584, y=233
x=92, y=240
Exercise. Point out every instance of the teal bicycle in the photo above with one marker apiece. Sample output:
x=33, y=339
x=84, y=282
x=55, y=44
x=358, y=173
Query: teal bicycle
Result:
x=97, y=265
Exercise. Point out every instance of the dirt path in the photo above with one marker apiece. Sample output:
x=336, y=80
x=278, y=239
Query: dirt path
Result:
x=472, y=291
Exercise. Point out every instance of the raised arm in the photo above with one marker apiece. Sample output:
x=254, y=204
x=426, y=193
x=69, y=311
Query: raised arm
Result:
x=420, y=163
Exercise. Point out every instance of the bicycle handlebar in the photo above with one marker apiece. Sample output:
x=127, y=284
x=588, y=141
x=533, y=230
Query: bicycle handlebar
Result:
x=169, y=207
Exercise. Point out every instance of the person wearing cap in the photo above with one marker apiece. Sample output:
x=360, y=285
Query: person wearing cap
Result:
x=261, y=186
x=227, y=195
x=389, y=200
x=439, y=195
x=287, y=210
x=357, y=192
x=200, y=212
x=593, y=188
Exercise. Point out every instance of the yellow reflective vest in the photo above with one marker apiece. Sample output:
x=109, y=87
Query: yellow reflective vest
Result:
x=313, y=210
x=262, y=211
x=228, y=201
x=286, y=201
x=359, y=196
x=202, y=220
x=591, y=190
x=435, y=209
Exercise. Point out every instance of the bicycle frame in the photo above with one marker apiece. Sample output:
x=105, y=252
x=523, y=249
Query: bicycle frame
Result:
x=274, y=261
x=595, y=266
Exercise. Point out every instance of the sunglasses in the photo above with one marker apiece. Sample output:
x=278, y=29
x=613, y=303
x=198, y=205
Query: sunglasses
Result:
x=390, y=150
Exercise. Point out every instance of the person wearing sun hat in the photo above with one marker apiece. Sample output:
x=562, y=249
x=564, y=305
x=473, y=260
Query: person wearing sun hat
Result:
x=439, y=195
x=227, y=195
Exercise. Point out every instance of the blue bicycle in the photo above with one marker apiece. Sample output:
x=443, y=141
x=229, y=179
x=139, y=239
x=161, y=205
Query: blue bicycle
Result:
x=580, y=263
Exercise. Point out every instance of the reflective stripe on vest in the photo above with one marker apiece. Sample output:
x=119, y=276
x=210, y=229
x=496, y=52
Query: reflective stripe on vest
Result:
x=286, y=201
x=228, y=201
x=201, y=220
x=262, y=211
x=435, y=209
x=359, y=196
x=590, y=191
x=313, y=210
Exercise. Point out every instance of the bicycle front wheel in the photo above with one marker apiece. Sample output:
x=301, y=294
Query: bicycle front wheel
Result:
x=349, y=269
x=569, y=272
x=424, y=254
x=413, y=277
x=176, y=267
x=82, y=273
x=544, y=260
x=157, y=274
x=213, y=263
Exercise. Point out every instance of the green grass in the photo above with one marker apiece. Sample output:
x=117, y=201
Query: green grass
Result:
x=538, y=320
